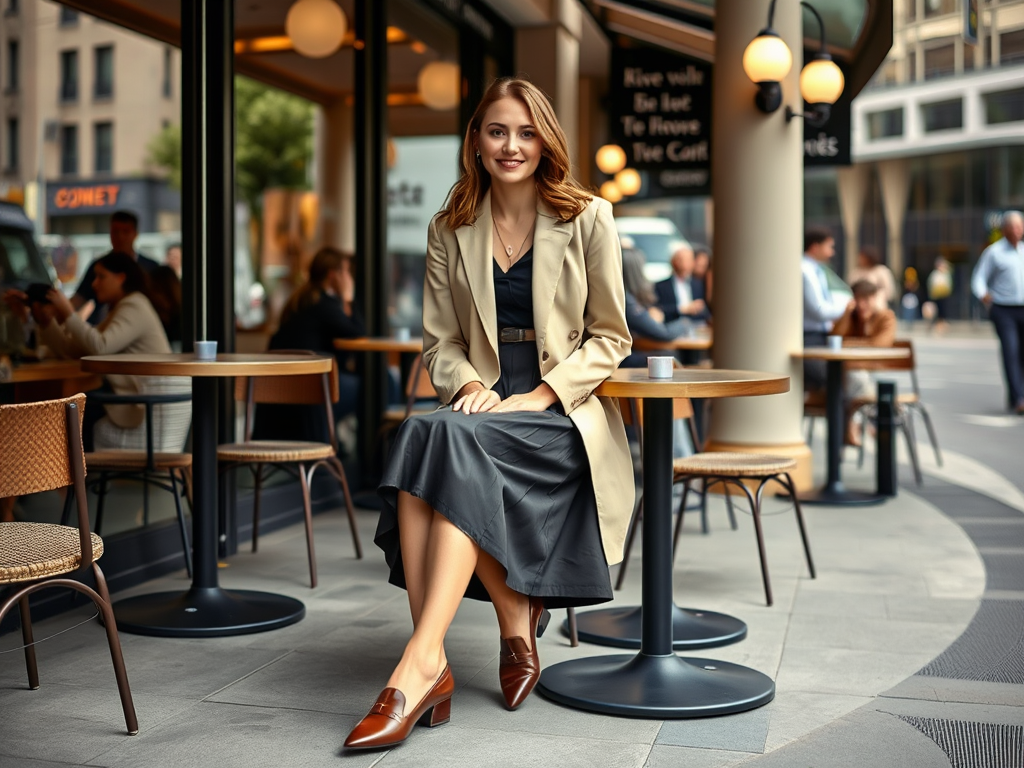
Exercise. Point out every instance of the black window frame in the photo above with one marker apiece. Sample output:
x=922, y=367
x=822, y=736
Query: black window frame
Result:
x=13, y=8
x=100, y=89
x=68, y=17
x=13, y=79
x=943, y=115
x=69, y=155
x=69, y=84
x=167, y=85
x=1004, y=106
x=96, y=155
x=891, y=124
x=12, y=145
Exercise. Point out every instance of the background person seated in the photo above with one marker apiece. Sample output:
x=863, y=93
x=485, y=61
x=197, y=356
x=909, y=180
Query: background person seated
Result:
x=682, y=294
x=643, y=317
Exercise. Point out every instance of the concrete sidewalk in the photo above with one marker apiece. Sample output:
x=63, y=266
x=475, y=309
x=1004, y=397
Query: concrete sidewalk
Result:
x=897, y=586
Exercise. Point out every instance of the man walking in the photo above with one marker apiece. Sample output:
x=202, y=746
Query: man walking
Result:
x=821, y=308
x=998, y=281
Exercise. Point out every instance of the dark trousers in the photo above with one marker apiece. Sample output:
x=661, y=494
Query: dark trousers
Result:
x=815, y=371
x=1009, y=323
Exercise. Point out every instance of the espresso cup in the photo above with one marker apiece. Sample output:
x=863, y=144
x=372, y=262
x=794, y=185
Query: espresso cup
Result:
x=660, y=367
x=835, y=342
x=206, y=350
x=402, y=334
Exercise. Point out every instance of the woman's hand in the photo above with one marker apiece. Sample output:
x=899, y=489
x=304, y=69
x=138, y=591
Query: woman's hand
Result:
x=539, y=399
x=476, y=399
x=656, y=314
x=61, y=306
x=18, y=302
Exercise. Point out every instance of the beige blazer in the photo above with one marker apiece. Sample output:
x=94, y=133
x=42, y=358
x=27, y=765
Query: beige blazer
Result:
x=132, y=326
x=579, y=317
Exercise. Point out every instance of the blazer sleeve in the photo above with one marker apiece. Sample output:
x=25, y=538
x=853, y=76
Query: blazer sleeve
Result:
x=606, y=339
x=666, y=296
x=445, y=350
x=124, y=325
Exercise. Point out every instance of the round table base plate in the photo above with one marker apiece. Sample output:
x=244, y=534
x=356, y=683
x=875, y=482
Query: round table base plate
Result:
x=691, y=629
x=662, y=687
x=206, y=613
x=840, y=496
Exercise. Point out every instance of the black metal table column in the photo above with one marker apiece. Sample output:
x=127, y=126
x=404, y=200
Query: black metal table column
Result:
x=656, y=683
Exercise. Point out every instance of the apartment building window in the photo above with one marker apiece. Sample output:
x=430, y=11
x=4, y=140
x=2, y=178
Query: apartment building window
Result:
x=912, y=66
x=166, y=85
x=885, y=124
x=12, y=8
x=69, y=75
x=13, y=150
x=13, y=74
x=104, y=87
x=1004, y=106
x=104, y=149
x=940, y=61
x=69, y=150
x=943, y=115
x=68, y=16
x=939, y=7
x=1011, y=47
x=969, y=53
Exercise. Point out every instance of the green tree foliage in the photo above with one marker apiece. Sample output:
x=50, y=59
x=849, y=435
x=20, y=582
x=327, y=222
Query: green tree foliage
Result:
x=273, y=142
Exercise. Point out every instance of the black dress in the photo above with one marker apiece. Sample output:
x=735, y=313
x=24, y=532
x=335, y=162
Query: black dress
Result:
x=518, y=484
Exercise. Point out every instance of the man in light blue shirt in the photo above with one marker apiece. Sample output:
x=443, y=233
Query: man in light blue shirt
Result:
x=821, y=307
x=998, y=281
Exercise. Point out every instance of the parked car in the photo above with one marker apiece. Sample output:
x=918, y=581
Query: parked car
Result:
x=21, y=263
x=657, y=237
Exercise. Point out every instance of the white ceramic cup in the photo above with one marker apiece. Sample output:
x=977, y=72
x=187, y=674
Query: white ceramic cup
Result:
x=660, y=367
x=206, y=350
x=402, y=334
x=835, y=342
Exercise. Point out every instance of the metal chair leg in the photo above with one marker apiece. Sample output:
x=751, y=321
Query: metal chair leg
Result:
x=930, y=428
x=679, y=515
x=911, y=439
x=704, y=486
x=307, y=507
x=791, y=487
x=630, y=535
x=30, y=648
x=574, y=638
x=755, y=510
x=728, y=507
x=339, y=472
x=258, y=482
x=185, y=546
x=116, y=657
x=99, y=502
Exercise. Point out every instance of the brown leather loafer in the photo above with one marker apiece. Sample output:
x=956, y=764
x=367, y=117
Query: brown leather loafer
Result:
x=388, y=724
x=519, y=665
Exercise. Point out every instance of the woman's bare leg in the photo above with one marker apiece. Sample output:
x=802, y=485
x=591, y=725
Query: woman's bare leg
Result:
x=414, y=520
x=513, y=608
x=451, y=557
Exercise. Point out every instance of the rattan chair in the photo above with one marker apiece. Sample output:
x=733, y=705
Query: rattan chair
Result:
x=161, y=462
x=738, y=469
x=40, y=450
x=302, y=459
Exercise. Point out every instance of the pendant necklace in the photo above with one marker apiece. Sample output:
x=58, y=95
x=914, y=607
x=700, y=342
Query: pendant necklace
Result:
x=508, y=248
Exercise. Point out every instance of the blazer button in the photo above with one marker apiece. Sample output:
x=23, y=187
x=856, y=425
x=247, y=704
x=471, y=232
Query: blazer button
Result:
x=573, y=335
x=544, y=356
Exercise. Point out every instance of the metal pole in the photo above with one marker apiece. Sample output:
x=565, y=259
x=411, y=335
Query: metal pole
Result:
x=656, y=637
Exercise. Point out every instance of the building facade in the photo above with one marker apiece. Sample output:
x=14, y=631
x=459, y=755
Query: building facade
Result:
x=937, y=142
x=82, y=99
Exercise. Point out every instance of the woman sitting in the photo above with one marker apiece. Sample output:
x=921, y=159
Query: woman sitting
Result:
x=131, y=325
x=643, y=317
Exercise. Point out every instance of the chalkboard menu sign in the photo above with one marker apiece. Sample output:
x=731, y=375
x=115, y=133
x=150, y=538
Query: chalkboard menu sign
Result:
x=660, y=113
x=828, y=144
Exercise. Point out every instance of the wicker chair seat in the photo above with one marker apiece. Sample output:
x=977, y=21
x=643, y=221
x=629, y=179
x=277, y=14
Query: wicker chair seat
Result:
x=268, y=451
x=30, y=551
x=726, y=464
x=135, y=460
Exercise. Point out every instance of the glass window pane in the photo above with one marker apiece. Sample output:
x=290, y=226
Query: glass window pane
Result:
x=13, y=75
x=68, y=16
x=939, y=7
x=885, y=124
x=69, y=75
x=939, y=61
x=69, y=149
x=104, y=71
x=943, y=115
x=1004, y=106
x=13, y=149
x=1011, y=47
x=104, y=147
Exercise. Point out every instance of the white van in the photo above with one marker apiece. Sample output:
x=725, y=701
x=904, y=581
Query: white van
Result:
x=657, y=237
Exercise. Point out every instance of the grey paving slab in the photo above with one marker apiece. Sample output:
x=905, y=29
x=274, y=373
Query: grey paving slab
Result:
x=742, y=732
x=986, y=712
x=862, y=633
x=840, y=603
x=89, y=721
x=843, y=671
x=664, y=756
x=472, y=748
x=227, y=736
x=24, y=762
x=795, y=714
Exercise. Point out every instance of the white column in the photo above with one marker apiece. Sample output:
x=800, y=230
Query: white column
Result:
x=852, y=182
x=894, y=178
x=757, y=183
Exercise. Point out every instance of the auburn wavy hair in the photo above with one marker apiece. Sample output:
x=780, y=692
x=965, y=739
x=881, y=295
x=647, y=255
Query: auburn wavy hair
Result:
x=555, y=185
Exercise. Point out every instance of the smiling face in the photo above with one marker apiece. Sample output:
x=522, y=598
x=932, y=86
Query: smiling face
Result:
x=109, y=286
x=510, y=147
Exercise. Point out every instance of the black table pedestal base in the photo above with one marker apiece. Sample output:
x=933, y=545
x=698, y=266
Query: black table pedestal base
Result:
x=837, y=495
x=211, y=612
x=691, y=629
x=661, y=687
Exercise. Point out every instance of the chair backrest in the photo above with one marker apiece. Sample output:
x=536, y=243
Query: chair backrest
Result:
x=302, y=389
x=171, y=421
x=41, y=449
x=898, y=364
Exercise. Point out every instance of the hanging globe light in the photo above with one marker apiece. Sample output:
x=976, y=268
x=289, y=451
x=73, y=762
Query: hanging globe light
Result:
x=316, y=27
x=611, y=159
x=440, y=84
x=610, y=191
x=628, y=181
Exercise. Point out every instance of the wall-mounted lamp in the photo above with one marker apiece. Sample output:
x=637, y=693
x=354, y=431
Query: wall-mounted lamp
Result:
x=767, y=60
x=611, y=158
x=628, y=181
x=610, y=191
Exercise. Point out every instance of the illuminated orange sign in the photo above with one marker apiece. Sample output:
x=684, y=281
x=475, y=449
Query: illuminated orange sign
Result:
x=87, y=197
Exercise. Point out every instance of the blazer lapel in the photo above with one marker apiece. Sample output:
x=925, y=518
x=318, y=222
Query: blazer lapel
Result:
x=550, y=241
x=475, y=245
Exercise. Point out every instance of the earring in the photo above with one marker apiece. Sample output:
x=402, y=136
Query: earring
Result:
x=478, y=156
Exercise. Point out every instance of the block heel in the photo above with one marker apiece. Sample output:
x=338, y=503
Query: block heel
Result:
x=439, y=714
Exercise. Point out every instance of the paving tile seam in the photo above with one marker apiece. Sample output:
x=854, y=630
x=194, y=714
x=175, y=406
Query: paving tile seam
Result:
x=247, y=675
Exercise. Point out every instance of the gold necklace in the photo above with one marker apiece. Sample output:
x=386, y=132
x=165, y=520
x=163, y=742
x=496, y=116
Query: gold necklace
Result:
x=508, y=248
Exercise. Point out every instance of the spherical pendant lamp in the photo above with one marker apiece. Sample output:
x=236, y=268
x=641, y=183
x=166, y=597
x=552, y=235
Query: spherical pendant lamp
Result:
x=316, y=27
x=440, y=84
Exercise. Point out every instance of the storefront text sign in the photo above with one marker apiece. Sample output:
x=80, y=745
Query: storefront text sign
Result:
x=660, y=108
x=98, y=196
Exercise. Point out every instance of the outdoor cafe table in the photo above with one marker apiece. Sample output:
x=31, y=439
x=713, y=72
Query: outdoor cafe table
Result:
x=701, y=341
x=206, y=610
x=834, y=492
x=656, y=682
x=50, y=380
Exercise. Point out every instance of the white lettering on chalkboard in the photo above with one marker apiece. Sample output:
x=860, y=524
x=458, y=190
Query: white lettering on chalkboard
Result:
x=823, y=146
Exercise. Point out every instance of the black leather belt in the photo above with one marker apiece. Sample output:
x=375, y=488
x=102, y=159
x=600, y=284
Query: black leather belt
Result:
x=514, y=335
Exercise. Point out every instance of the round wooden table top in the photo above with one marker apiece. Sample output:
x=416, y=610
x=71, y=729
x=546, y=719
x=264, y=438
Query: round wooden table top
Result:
x=186, y=364
x=699, y=341
x=692, y=382
x=854, y=353
x=47, y=370
x=379, y=344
